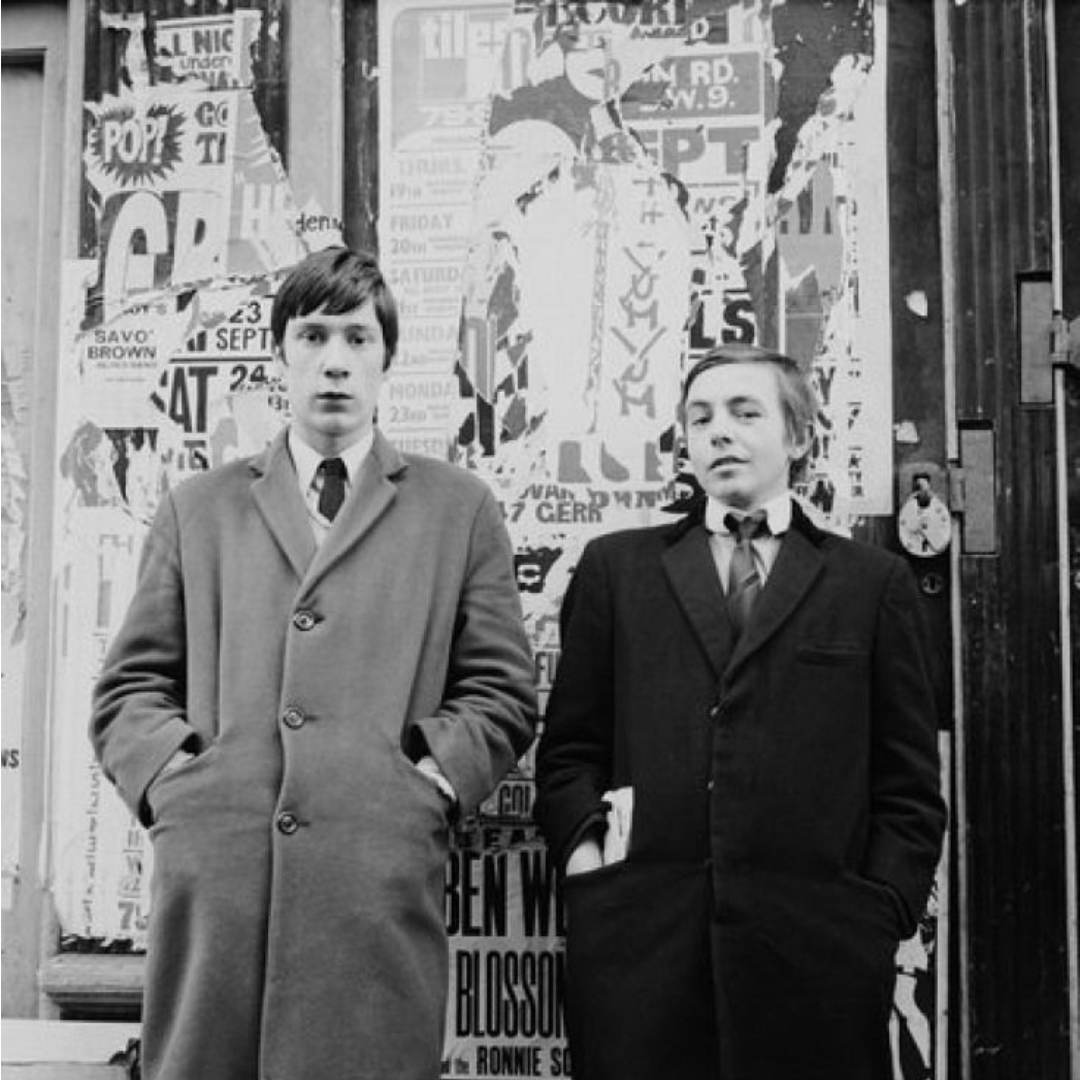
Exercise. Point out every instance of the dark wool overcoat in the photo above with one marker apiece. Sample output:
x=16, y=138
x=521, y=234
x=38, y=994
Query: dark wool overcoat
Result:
x=787, y=820
x=297, y=927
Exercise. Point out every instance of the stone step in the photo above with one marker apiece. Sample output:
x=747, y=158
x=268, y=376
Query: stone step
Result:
x=63, y=1049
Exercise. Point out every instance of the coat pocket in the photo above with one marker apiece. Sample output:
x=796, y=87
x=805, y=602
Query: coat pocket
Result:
x=837, y=655
x=626, y=912
x=168, y=783
x=639, y=970
x=425, y=787
x=886, y=903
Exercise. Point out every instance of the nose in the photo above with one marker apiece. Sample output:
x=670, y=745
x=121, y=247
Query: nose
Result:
x=718, y=433
x=334, y=359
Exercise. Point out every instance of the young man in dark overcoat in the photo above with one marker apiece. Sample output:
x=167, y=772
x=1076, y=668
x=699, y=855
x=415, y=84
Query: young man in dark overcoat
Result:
x=739, y=769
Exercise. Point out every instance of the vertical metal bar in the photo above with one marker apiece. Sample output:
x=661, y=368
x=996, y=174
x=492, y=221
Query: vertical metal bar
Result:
x=68, y=246
x=1072, y=932
x=946, y=133
x=1068, y=752
x=944, y=928
x=947, y=182
x=316, y=104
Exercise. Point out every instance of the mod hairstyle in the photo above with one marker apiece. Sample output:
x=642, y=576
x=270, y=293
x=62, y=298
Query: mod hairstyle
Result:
x=336, y=280
x=798, y=401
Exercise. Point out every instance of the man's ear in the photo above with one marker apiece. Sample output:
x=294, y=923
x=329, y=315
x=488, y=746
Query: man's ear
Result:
x=800, y=445
x=277, y=355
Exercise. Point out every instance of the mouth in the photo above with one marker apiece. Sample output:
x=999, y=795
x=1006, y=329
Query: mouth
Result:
x=727, y=461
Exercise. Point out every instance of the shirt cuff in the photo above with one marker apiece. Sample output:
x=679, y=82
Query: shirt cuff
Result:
x=430, y=768
x=593, y=827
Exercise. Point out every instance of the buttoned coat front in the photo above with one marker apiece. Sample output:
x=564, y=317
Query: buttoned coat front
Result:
x=297, y=926
x=786, y=821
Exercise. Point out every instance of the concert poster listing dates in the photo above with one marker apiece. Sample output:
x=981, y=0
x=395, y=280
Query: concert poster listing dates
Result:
x=504, y=917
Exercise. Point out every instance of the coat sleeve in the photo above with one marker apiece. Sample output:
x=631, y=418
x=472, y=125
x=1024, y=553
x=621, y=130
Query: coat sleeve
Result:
x=138, y=719
x=575, y=755
x=487, y=718
x=907, y=812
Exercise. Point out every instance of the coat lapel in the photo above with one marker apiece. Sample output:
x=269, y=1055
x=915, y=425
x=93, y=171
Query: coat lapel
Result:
x=278, y=498
x=797, y=566
x=691, y=570
x=375, y=490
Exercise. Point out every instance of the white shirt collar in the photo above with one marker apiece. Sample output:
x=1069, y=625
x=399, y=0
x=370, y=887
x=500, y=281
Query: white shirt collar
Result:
x=777, y=513
x=306, y=460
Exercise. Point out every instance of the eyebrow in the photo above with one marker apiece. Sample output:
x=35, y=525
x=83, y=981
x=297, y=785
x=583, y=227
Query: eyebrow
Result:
x=730, y=403
x=317, y=320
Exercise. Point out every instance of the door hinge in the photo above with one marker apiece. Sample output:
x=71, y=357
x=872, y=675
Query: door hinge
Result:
x=973, y=487
x=1046, y=338
x=957, y=490
x=1064, y=341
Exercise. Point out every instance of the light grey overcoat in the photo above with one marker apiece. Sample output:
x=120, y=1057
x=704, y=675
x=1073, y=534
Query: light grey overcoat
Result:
x=297, y=925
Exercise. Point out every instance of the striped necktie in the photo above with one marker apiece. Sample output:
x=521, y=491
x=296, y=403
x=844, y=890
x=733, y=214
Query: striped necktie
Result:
x=744, y=582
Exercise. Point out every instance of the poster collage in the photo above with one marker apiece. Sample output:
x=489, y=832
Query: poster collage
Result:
x=576, y=199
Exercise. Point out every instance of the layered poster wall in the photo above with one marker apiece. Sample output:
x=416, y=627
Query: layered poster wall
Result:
x=186, y=220
x=576, y=201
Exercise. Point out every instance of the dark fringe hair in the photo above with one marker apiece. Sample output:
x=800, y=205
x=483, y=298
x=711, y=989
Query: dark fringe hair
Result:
x=336, y=280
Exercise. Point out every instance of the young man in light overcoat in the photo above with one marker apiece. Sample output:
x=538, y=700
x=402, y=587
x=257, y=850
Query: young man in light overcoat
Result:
x=323, y=663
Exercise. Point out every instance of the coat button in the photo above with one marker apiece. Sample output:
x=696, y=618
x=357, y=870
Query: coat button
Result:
x=287, y=823
x=716, y=711
x=303, y=620
x=293, y=718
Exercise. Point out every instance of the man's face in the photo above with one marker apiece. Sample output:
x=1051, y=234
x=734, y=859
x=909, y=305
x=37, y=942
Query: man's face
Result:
x=735, y=432
x=333, y=367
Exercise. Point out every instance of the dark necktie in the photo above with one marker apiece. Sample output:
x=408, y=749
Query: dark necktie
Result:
x=744, y=582
x=332, y=493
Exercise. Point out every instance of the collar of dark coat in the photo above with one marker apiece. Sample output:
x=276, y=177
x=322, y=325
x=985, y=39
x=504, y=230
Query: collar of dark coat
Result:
x=390, y=461
x=689, y=565
x=695, y=515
